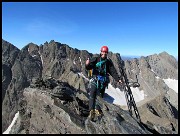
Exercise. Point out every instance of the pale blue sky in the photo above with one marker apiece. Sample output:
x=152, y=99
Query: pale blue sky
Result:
x=128, y=28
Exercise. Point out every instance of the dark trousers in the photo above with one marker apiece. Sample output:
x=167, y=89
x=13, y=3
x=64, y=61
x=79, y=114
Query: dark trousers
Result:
x=93, y=92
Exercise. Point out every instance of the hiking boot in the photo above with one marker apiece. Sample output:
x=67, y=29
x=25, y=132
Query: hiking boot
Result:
x=94, y=114
x=91, y=114
x=97, y=112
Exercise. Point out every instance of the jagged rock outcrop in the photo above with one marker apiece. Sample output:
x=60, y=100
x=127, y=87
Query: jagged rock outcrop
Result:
x=148, y=71
x=24, y=68
x=151, y=71
x=53, y=62
x=164, y=65
x=40, y=112
x=9, y=54
x=161, y=112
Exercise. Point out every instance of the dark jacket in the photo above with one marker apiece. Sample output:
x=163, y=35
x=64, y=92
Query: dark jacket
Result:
x=109, y=67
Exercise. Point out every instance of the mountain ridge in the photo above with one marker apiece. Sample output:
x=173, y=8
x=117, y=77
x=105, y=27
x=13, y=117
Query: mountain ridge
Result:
x=63, y=63
x=124, y=57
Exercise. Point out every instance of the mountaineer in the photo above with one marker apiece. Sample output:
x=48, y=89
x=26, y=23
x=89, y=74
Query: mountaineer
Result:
x=100, y=68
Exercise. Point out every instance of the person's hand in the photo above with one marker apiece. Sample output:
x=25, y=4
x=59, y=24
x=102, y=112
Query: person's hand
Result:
x=87, y=61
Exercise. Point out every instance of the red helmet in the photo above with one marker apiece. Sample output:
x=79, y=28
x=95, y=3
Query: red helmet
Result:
x=104, y=49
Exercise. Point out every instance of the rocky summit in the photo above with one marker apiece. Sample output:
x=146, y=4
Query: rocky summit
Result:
x=46, y=88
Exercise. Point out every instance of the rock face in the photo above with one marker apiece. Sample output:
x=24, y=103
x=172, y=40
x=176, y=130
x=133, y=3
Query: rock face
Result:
x=47, y=84
x=23, y=67
x=48, y=111
x=9, y=54
x=151, y=71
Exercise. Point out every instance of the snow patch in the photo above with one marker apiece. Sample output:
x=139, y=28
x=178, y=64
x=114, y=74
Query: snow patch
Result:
x=80, y=60
x=153, y=71
x=12, y=123
x=40, y=56
x=157, y=77
x=74, y=62
x=172, y=83
x=116, y=96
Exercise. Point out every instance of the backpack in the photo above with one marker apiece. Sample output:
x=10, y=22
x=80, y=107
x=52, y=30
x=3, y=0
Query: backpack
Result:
x=90, y=73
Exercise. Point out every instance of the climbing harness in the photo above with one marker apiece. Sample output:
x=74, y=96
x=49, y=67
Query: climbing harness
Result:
x=102, y=75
